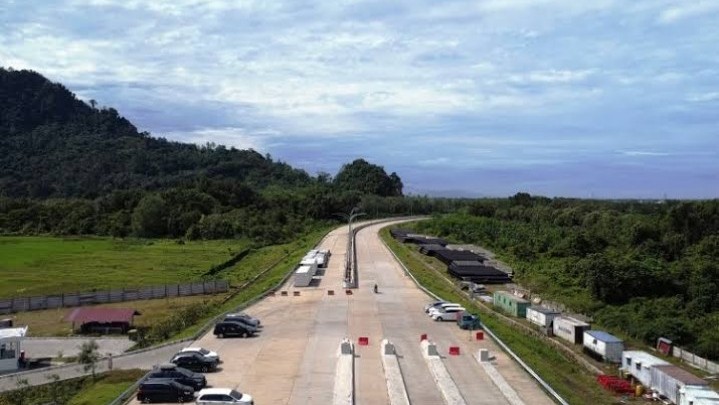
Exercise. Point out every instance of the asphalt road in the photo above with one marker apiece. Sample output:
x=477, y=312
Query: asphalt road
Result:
x=293, y=359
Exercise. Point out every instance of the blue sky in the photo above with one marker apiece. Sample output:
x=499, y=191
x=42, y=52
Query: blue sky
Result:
x=473, y=98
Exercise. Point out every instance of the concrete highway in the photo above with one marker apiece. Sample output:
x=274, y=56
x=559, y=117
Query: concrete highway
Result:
x=293, y=359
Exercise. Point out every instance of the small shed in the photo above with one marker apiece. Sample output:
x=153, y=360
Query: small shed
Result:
x=448, y=256
x=697, y=395
x=542, y=316
x=10, y=347
x=668, y=380
x=477, y=272
x=570, y=329
x=603, y=345
x=102, y=320
x=511, y=304
x=639, y=365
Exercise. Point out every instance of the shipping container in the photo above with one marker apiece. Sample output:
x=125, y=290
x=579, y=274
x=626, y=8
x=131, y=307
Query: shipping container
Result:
x=569, y=329
x=603, y=345
x=304, y=274
x=639, y=365
x=511, y=304
x=542, y=316
x=697, y=395
x=668, y=381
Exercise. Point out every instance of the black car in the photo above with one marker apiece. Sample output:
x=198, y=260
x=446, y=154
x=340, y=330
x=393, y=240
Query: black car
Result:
x=231, y=328
x=180, y=375
x=164, y=390
x=194, y=361
x=244, y=321
x=244, y=318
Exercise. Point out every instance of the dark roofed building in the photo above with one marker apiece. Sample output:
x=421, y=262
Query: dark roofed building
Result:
x=424, y=240
x=102, y=320
x=448, y=256
x=477, y=272
x=399, y=233
x=430, y=250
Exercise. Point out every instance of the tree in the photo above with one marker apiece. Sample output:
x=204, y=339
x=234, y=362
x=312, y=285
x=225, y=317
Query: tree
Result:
x=149, y=217
x=367, y=178
x=89, y=356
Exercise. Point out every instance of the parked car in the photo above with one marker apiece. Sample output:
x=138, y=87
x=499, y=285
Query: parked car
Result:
x=250, y=320
x=232, y=328
x=204, y=352
x=469, y=321
x=164, y=390
x=449, y=314
x=433, y=305
x=442, y=307
x=179, y=374
x=194, y=361
x=216, y=396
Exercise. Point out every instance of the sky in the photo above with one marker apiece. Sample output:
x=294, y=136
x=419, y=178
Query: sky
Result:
x=592, y=99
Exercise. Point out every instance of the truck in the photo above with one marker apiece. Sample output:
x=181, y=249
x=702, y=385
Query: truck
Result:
x=468, y=321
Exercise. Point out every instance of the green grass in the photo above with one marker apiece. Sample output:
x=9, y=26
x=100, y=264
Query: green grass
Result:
x=46, y=265
x=106, y=388
x=573, y=382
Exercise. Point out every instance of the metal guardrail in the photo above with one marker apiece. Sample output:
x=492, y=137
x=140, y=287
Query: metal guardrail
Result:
x=504, y=347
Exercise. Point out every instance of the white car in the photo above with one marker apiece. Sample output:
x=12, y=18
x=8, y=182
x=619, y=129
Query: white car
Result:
x=449, y=314
x=442, y=307
x=203, y=352
x=433, y=304
x=216, y=396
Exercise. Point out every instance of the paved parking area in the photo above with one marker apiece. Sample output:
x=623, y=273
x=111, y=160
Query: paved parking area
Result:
x=293, y=359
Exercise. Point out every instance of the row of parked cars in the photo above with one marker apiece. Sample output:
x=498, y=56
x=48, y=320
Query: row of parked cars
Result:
x=181, y=380
x=450, y=311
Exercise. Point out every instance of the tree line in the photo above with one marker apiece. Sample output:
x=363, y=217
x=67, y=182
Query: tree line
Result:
x=646, y=269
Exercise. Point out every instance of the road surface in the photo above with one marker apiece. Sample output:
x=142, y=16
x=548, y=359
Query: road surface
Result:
x=293, y=359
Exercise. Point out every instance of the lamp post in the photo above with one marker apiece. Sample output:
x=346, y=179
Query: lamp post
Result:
x=348, y=280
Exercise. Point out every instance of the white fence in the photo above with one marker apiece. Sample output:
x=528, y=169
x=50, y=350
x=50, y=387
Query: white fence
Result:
x=76, y=299
x=700, y=362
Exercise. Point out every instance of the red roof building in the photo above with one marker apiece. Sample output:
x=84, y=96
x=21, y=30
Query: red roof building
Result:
x=102, y=320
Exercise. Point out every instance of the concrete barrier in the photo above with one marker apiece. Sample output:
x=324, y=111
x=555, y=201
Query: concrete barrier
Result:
x=344, y=375
x=509, y=393
x=444, y=381
x=396, y=389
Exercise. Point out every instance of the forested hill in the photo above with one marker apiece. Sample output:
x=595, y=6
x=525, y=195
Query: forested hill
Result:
x=54, y=145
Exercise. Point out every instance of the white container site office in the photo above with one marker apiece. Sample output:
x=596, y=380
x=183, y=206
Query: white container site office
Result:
x=10, y=347
x=639, y=365
x=542, y=316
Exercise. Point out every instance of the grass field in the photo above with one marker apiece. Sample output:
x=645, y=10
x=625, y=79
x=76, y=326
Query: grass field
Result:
x=566, y=376
x=280, y=259
x=45, y=265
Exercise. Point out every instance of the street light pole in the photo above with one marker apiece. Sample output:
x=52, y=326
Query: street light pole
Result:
x=349, y=280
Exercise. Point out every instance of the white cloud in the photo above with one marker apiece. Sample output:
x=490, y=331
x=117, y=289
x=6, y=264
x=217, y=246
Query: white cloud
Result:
x=704, y=97
x=230, y=137
x=689, y=9
x=641, y=153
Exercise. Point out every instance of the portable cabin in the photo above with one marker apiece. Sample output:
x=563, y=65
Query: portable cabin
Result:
x=542, y=316
x=668, y=380
x=697, y=395
x=303, y=275
x=608, y=347
x=570, y=329
x=10, y=348
x=639, y=365
x=511, y=304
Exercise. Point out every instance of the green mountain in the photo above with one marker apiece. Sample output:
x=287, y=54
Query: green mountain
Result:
x=67, y=167
x=54, y=145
